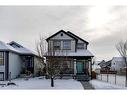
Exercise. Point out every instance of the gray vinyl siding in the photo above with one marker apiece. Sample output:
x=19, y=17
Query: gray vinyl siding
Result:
x=58, y=37
x=85, y=45
x=15, y=64
x=62, y=38
x=2, y=67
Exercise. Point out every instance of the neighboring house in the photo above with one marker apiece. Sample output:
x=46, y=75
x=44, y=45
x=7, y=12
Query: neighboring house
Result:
x=96, y=67
x=15, y=59
x=68, y=45
x=105, y=65
x=117, y=63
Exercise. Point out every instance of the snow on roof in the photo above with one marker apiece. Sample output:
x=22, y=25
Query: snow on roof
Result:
x=21, y=50
x=24, y=50
x=4, y=46
x=81, y=53
x=77, y=53
x=117, y=59
x=105, y=64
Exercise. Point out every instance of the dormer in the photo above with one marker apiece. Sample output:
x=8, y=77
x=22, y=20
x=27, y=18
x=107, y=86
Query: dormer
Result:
x=15, y=45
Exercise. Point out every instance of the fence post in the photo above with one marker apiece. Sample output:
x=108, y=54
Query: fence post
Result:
x=107, y=77
x=101, y=76
x=115, y=78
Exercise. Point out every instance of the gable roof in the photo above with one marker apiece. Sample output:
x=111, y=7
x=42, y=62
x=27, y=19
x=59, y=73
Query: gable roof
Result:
x=105, y=64
x=102, y=62
x=77, y=37
x=117, y=59
x=60, y=32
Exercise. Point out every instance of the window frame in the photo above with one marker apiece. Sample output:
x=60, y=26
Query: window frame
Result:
x=3, y=76
x=69, y=44
x=2, y=58
x=55, y=46
x=80, y=47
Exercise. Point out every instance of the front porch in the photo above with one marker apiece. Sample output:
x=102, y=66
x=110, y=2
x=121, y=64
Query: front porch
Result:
x=76, y=67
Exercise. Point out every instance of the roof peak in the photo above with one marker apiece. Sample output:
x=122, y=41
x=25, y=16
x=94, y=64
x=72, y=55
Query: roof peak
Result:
x=58, y=33
x=69, y=34
x=77, y=37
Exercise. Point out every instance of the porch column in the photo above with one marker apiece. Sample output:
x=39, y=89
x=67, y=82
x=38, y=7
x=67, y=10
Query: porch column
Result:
x=90, y=67
x=75, y=70
x=89, y=62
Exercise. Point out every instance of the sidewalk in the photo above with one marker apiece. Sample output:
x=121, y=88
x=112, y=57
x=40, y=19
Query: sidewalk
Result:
x=86, y=85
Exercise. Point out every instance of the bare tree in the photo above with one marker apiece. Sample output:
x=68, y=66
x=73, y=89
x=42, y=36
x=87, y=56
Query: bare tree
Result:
x=41, y=48
x=122, y=49
x=55, y=62
x=54, y=58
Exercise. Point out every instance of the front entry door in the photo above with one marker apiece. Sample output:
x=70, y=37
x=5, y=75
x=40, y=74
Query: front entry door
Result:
x=79, y=67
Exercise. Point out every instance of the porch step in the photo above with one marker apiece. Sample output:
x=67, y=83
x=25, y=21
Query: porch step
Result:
x=65, y=76
x=82, y=77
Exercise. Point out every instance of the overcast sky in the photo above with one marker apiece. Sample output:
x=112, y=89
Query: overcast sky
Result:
x=102, y=26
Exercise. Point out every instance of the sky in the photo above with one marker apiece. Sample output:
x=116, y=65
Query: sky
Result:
x=102, y=26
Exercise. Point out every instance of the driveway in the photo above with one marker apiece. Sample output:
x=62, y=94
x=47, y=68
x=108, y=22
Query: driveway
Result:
x=86, y=85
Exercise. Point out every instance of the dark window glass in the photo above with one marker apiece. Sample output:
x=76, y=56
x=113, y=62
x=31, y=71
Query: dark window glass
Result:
x=66, y=44
x=80, y=45
x=57, y=44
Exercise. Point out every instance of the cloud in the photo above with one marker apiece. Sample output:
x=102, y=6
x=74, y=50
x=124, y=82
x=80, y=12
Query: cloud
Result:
x=24, y=25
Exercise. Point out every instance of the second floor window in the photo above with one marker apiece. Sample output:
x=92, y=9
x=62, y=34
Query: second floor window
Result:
x=57, y=45
x=80, y=45
x=1, y=58
x=66, y=44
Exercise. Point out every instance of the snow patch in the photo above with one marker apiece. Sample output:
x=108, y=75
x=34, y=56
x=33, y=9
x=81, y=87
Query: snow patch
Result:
x=36, y=83
x=97, y=84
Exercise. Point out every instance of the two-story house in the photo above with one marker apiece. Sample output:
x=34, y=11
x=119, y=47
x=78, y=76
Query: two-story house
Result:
x=66, y=45
x=16, y=59
x=117, y=64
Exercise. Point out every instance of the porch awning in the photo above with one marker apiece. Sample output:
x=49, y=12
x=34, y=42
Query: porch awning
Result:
x=81, y=53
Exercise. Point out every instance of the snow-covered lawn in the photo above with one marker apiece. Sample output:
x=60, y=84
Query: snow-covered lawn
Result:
x=98, y=84
x=36, y=83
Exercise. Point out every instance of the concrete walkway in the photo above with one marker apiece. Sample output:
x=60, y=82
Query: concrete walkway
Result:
x=87, y=85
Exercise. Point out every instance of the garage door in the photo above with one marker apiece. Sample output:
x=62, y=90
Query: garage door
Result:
x=1, y=76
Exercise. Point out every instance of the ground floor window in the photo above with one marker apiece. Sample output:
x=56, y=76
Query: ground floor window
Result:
x=1, y=76
x=1, y=58
x=68, y=67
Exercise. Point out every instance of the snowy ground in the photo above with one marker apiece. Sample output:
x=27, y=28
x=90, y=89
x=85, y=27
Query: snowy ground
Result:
x=36, y=83
x=111, y=78
x=98, y=84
